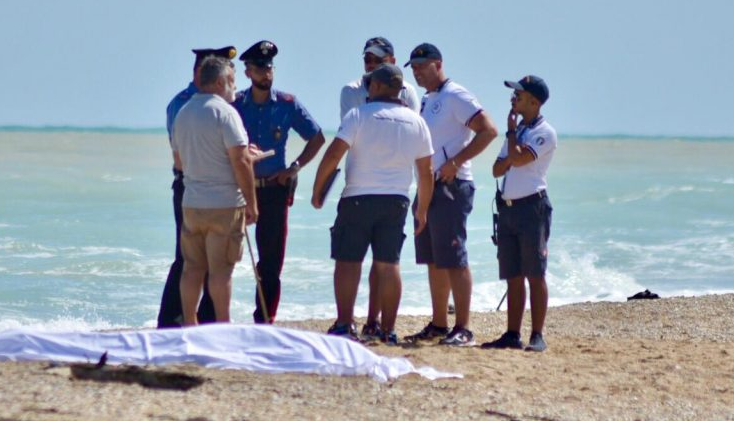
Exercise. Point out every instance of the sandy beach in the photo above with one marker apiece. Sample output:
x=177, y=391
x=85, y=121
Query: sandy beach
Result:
x=642, y=360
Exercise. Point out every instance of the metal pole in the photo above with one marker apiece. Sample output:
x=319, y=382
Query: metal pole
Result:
x=502, y=300
x=257, y=279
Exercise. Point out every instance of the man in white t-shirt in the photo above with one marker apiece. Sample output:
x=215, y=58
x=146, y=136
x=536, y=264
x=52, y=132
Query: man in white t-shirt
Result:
x=525, y=211
x=385, y=140
x=219, y=199
x=376, y=51
x=460, y=130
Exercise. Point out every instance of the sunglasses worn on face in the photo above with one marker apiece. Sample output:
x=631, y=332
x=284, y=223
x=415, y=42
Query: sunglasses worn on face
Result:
x=372, y=60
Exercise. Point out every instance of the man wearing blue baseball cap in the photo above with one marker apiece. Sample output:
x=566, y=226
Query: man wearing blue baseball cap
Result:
x=460, y=130
x=524, y=211
x=170, y=313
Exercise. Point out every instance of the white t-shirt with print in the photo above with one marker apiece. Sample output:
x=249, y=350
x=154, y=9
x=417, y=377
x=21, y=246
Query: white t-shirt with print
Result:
x=385, y=139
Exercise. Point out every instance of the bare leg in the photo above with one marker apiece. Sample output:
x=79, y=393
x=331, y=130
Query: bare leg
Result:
x=515, y=303
x=346, y=285
x=461, y=286
x=438, y=280
x=538, y=302
x=373, y=310
x=192, y=281
x=390, y=292
x=220, y=289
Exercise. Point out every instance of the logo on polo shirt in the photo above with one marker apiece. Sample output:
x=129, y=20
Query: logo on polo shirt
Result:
x=436, y=107
x=540, y=141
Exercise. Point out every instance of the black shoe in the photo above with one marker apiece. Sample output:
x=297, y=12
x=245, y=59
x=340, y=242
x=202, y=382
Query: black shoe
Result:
x=371, y=332
x=429, y=332
x=536, y=344
x=348, y=331
x=507, y=340
x=459, y=336
x=389, y=339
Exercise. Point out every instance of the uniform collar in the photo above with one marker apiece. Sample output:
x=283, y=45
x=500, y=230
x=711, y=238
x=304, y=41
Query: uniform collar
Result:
x=192, y=89
x=534, y=122
x=442, y=85
x=248, y=96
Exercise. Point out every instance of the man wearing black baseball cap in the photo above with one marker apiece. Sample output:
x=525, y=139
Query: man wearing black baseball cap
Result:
x=460, y=130
x=385, y=142
x=269, y=115
x=376, y=51
x=170, y=313
x=524, y=211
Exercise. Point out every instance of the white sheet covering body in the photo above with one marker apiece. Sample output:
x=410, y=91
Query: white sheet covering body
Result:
x=265, y=349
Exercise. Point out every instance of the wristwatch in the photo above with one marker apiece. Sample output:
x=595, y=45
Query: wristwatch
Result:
x=296, y=165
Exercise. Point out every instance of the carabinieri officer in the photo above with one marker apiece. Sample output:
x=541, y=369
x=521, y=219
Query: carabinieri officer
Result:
x=170, y=313
x=268, y=115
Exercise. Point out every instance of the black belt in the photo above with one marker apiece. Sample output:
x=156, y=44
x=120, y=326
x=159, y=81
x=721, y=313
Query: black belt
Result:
x=535, y=196
x=178, y=175
x=264, y=182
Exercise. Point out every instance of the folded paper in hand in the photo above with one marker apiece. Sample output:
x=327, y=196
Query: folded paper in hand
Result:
x=327, y=185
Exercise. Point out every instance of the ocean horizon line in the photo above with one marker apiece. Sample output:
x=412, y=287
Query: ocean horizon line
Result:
x=162, y=130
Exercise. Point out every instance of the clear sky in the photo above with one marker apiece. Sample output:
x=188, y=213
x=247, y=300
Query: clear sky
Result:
x=613, y=67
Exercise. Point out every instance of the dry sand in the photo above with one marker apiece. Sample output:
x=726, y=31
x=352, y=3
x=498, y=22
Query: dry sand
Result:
x=667, y=359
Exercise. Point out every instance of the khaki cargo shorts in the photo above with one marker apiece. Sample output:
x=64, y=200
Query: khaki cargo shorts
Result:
x=211, y=239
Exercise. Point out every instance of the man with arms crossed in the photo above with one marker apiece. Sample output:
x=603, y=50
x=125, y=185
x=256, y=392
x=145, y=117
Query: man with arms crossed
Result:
x=452, y=114
x=211, y=143
x=524, y=211
x=385, y=141
x=170, y=314
x=268, y=115
x=376, y=51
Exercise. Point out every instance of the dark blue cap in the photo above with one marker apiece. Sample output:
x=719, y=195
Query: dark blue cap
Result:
x=387, y=73
x=533, y=85
x=228, y=52
x=424, y=52
x=260, y=54
x=378, y=46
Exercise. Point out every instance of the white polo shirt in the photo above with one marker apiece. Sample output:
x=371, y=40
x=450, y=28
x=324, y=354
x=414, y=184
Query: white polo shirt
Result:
x=355, y=94
x=540, y=139
x=384, y=141
x=448, y=112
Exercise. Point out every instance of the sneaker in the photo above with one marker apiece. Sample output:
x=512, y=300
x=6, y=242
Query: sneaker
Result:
x=507, y=340
x=371, y=332
x=348, y=331
x=429, y=332
x=536, y=344
x=459, y=336
x=389, y=339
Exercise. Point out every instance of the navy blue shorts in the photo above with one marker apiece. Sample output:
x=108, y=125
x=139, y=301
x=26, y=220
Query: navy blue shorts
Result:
x=369, y=220
x=523, y=230
x=443, y=241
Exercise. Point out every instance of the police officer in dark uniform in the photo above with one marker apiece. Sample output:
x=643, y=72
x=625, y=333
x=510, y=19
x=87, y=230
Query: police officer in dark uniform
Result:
x=170, y=313
x=268, y=115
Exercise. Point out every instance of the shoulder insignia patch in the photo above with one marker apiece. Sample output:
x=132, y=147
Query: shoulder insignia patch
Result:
x=285, y=97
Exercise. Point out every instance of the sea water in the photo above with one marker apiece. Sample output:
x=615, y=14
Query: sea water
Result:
x=87, y=232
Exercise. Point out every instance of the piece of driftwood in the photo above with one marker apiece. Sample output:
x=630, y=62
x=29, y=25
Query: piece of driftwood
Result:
x=132, y=374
